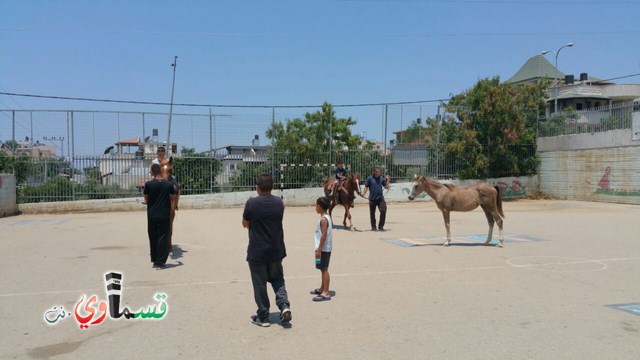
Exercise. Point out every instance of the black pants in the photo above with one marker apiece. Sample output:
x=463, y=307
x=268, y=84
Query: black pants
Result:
x=158, y=240
x=261, y=274
x=382, y=206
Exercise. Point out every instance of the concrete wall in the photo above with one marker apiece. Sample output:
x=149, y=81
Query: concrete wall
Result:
x=398, y=192
x=592, y=167
x=607, y=139
x=8, y=205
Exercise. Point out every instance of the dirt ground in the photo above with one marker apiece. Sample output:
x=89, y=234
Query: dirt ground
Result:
x=548, y=294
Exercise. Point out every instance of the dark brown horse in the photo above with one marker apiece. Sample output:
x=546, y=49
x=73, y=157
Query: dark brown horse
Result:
x=343, y=195
x=166, y=169
x=452, y=198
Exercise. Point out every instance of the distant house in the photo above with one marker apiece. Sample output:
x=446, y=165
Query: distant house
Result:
x=592, y=98
x=127, y=163
x=36, y=151
x=231, y=156
x=401, y=138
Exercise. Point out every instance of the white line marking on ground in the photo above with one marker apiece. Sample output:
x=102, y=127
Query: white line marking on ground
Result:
x=369, y=273
x=246, y=280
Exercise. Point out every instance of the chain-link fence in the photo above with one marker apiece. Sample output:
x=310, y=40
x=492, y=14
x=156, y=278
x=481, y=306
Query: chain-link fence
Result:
x=119, y=176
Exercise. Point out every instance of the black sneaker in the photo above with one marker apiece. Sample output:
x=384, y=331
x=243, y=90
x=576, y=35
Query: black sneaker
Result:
x=374, y=229
x=260, y=322
x=381, y=229
x=285, y=315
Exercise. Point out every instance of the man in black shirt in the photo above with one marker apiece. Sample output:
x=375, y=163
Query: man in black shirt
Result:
x=263, y=217
x=374, y=184
x=157, y=195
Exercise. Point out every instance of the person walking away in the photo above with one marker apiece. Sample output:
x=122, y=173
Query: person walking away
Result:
x=263, y=216
x=374, y=184
x=323, y=246
x=157, y=196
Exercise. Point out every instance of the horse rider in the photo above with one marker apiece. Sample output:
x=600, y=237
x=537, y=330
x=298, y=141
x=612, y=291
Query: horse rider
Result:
x=340, y=177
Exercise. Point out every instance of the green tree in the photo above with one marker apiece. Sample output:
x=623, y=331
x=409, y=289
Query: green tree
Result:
x=19, y=166
x=246, y=175
x=316, y=133
x=497, y=119
x=195, y=172
x=319, y=137
x=415, y=133
x=56, y=188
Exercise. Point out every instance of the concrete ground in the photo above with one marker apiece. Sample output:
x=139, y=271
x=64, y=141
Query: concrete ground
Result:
x=545, y=295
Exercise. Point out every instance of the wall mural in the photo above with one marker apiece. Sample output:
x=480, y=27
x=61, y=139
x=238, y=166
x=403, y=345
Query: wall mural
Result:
x=604, y=186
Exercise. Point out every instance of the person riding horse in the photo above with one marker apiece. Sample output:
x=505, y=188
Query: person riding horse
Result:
x=340, y=175
x=345, y=196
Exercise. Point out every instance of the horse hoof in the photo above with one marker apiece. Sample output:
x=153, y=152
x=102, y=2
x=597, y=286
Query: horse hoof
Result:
x=445, y=244
x=500, y=245
x=352, y=229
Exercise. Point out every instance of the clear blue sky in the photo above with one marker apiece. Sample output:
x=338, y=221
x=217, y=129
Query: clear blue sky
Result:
x=295, y=52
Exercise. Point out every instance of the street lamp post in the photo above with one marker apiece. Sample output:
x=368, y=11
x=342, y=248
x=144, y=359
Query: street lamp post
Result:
x=556, y=53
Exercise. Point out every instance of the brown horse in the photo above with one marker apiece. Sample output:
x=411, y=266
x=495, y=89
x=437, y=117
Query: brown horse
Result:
x=166, y=169
x=344, y=195
x=452, y=198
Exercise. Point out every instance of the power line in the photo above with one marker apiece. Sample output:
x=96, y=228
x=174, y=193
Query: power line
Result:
x=136, y=102
x=217, y=105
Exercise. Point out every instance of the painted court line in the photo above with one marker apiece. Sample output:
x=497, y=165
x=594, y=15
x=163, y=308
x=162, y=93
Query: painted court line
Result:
x=304, y=277
x=246, y=280
x=463, y=239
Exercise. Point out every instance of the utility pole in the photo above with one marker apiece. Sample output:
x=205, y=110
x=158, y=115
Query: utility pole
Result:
x=438, y=121
x=174, y=65
x=51, y=139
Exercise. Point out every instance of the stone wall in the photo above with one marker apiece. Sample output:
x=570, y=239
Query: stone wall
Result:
x=8, y=205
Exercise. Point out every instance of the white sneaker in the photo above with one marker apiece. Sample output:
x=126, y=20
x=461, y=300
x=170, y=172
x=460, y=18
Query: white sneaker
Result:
x=285, y=315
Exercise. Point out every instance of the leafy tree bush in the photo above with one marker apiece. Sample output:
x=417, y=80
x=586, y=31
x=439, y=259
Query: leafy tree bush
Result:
x=495, y=116
x=195, y=172
x=57, y=188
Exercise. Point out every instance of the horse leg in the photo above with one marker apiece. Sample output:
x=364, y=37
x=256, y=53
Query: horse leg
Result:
x=348, y=212
x=498, y=219
x=445, y=215
x=491, y=221
x=333, y=204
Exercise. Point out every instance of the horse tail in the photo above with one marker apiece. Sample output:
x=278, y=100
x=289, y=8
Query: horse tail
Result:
x=499, y=202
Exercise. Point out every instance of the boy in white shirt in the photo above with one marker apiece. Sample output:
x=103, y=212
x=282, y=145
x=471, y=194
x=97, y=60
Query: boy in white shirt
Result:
x=323, y=244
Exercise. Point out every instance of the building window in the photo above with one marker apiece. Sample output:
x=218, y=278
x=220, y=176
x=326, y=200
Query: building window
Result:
x=579, y=106
x=232, y=167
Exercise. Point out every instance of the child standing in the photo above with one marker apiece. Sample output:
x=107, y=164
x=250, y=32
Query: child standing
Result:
x=323, y=245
